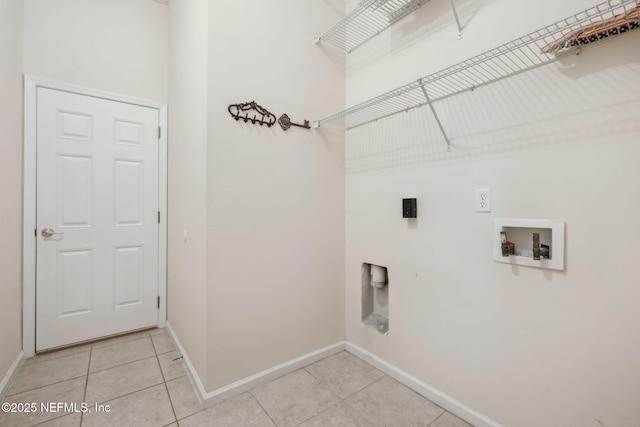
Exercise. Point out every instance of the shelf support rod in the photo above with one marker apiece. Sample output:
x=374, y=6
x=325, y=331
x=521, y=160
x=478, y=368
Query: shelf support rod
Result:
x=435, y=115
x=455, y=15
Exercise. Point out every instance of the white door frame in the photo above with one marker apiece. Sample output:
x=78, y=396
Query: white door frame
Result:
x=31, y=84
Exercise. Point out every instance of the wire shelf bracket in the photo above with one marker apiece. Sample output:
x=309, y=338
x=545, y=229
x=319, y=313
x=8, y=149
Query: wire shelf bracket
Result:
x=533, y=50
x=435, y=115
x=455, y=15
x=367, y=20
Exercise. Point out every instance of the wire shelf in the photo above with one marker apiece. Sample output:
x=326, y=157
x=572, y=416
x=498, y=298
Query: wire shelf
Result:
x=533, y=50
x=368, y=19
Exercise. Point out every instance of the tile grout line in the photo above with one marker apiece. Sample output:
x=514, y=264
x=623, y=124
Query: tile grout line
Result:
x=35, y=362
x=366, y=386
x=86, y=383
x=314, y=415
x=130, y=393
x=119, y=342
x=365, y=419
x=43, y=386
x=89, y=343
x=437, y=418
x=164, y=381
x=27, y=367
x=418, y=394
x=324, y=410
x=324, y=388
x=263, y=408
x=362, y=417
x=64, y=414
x=88, y=372
x=382, y=375
x=309, y=372
x=125, y=363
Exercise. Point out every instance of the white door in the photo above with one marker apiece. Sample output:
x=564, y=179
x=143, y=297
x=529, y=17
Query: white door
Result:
x=97, y=190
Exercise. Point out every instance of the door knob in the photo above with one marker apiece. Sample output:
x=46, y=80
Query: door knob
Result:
x=48, y=232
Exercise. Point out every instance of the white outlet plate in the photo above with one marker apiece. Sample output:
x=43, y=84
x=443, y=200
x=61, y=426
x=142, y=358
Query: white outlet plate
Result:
x=483, y=200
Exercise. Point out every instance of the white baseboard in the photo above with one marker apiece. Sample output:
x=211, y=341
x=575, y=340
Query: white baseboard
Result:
x=191, y=371
x=223, y=393
x=436, y=396
x=11, y=374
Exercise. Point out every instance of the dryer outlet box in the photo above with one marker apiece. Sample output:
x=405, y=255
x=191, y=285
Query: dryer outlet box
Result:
x=409, y=208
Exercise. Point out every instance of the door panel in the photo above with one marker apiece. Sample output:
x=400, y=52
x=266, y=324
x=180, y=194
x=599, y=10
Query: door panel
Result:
x=75, y=184
x=74, y=282
x=129, y=276
x=97, y=188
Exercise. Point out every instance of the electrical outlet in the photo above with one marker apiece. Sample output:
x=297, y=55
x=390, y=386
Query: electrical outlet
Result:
x=483, y=200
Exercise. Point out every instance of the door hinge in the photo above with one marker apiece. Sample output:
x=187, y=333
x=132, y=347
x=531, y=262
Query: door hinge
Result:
x=35, y=232
x=158, y=301
x=159, y=132
x=158, y=217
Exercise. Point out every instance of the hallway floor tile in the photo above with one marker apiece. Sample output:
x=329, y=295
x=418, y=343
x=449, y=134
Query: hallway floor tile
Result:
x=139, y=380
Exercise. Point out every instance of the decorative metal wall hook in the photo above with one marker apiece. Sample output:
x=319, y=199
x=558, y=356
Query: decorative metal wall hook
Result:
x=266, y=118
x=285, y=123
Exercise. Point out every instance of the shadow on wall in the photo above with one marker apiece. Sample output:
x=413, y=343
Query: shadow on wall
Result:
x=333, y=136
x=577, y=100
x=429, y=19
x=608, y=53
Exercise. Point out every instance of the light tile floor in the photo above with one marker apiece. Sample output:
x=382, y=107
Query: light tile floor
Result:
x=141, y=379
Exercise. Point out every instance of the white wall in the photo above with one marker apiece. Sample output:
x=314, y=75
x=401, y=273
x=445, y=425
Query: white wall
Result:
x=188, y=77
x=259, y=280
x=10, y=179
x=524, y=346
x=283, y=295
x=275, y=199
x=116, y=45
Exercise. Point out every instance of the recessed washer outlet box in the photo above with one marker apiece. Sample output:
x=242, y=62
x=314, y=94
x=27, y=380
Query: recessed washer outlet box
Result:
x=520, y=233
